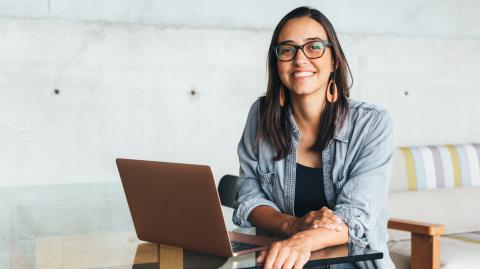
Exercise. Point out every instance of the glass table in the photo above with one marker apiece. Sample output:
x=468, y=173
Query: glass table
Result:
x=89, y=226
x=124, y=250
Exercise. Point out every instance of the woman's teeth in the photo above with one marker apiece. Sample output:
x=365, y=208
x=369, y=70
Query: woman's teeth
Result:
x=302, y=74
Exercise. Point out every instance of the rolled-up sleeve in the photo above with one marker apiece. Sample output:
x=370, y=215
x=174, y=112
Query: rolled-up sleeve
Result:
x=364, y=194
x=250, y=194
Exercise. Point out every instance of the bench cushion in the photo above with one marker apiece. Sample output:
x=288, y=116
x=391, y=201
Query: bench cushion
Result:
x=456, y=208
x=457, y=251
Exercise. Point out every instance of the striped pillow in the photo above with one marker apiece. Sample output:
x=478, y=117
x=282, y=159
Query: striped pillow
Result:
x=447, y=166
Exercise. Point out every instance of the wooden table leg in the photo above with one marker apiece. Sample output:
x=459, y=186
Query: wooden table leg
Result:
x=170, y=257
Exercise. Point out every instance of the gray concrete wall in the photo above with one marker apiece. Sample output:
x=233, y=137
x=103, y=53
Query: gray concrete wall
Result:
x=125, y=72
x=411, y=17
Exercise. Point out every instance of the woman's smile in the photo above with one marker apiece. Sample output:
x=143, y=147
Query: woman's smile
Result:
x=303, y=74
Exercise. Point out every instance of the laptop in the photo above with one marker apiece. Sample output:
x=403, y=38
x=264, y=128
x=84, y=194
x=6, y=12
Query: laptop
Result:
x=178, y=205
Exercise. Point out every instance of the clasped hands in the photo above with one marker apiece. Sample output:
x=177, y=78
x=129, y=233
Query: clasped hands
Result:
x=312, y=220
x=295, y=251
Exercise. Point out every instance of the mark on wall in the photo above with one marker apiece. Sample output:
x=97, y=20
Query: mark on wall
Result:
x=78, y=53
x=48, y=7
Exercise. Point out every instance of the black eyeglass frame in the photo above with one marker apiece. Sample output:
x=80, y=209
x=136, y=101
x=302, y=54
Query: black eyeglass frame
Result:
x=326, y=43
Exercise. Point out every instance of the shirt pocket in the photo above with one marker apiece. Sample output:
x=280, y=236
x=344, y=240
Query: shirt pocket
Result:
x=267, y=183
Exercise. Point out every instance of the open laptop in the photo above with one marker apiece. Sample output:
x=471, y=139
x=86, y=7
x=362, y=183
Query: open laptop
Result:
x=178, y=205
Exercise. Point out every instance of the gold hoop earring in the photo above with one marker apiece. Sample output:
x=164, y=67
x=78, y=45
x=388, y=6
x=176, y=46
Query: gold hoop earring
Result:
x=332, y=92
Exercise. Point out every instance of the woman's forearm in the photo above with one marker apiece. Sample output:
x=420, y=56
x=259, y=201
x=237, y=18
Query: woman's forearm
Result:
x=267, y=218
x=300, y=246
x=319, y=238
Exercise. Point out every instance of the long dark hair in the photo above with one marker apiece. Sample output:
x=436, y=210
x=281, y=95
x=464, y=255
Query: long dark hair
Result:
x=275, y=125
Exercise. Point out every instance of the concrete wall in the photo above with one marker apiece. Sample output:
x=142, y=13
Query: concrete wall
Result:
x=125, y=72
x=396, y=17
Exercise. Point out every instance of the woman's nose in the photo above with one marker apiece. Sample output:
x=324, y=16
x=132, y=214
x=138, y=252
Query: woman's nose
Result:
x=300, y=57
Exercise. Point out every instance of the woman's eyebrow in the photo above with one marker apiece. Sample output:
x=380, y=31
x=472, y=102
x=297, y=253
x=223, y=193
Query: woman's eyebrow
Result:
x=306, y=39
x=286, y=42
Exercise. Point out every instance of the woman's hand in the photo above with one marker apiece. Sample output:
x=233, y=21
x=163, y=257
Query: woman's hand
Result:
x=291, y=253
x=315, y=219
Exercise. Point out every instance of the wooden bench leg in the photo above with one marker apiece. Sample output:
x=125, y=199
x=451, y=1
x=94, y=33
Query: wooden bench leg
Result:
x=425, y=251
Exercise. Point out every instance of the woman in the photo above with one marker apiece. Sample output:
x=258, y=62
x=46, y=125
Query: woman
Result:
x=314, y=164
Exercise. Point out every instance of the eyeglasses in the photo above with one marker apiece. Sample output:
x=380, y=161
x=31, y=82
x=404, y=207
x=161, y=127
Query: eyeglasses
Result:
x=312, y=50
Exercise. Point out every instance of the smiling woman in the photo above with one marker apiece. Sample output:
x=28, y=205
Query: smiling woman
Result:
x=311, y=157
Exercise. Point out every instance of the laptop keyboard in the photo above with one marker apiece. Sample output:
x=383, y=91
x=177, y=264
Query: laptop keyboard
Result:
x=240, y=246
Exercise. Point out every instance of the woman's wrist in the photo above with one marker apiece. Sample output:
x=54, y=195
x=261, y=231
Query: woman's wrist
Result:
x=288, y=226
x=306, y=239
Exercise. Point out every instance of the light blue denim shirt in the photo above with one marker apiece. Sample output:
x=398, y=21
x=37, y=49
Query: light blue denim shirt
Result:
x=357, y=165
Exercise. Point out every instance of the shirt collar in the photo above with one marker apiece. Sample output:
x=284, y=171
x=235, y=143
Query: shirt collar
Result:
x=340, y=132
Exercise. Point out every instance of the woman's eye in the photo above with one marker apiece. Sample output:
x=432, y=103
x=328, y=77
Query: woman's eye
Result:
x=316, y=46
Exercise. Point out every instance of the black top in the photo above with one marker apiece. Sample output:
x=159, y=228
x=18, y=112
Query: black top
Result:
x=309, y=191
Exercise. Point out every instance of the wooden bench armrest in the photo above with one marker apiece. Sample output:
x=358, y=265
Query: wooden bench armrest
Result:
x=416, y=227
x=425, y=244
